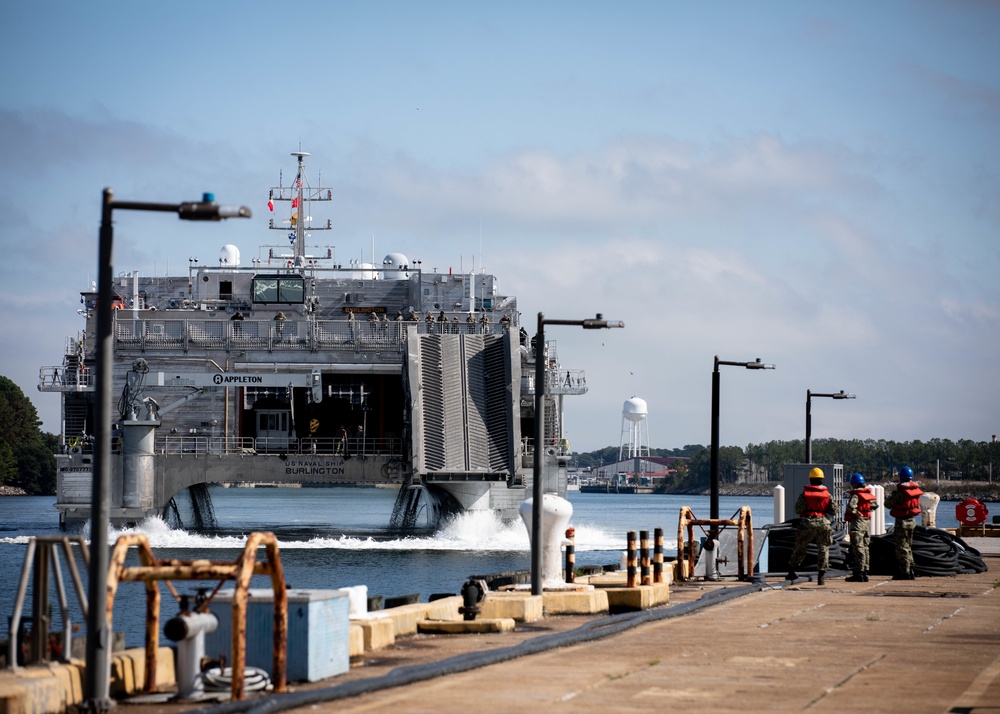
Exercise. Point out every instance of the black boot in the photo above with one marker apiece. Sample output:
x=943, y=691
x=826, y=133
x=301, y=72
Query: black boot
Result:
x=792, y=575
x=864, y=576
x=857, y=577
x=819, y=578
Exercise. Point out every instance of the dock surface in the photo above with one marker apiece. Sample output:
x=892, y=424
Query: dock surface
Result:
x=926, y=645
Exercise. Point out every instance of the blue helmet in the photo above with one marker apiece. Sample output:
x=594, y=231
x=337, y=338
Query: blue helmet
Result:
x=857, y=480
x=906, y=474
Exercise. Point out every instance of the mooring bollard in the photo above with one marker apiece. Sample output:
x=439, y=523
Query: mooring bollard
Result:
x=570, y=555
x=657, y=555
x=473, y=593
x=630, y=560
x=644, y=558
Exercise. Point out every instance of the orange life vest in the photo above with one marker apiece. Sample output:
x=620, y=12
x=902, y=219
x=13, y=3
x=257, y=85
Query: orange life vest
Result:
x=910, y=505
x=817, y=501
x=865, y=500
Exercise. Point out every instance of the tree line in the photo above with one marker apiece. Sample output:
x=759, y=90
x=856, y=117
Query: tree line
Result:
x=27, y=461
x=877, y=459
x=26, y=452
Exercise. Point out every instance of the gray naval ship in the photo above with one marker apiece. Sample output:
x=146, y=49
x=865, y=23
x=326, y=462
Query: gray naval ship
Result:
x=297, y=369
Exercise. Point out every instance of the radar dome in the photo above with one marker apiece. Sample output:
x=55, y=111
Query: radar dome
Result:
x=394, y=266
x=635, y=409
x=229, y=256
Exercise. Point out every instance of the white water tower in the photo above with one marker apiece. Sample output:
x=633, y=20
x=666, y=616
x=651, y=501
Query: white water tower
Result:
x=635, y=431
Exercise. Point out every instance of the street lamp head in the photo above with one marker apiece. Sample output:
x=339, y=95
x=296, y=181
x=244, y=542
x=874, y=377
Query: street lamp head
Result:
x=208, y=210
x=599, y=323
x=834, y=395
x=757, y=364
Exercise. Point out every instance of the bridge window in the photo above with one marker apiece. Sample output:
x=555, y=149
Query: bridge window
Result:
x=279, y=289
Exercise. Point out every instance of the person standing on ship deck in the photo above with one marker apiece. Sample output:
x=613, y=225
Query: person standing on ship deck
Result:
x=341, y=449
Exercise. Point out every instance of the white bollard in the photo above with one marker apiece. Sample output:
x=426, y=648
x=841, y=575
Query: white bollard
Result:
x=556, y=513
x=779, y=504
x=928, y=510
x=877, y=523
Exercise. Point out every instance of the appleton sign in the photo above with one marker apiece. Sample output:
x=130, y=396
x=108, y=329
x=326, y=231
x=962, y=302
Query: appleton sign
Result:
x=312, y=380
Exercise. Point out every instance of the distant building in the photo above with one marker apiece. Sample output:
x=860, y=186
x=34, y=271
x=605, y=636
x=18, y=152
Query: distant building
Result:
x=653, y=468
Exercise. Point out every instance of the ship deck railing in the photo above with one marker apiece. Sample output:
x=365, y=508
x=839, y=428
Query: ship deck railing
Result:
x=558, y=381
x=75, y=378
x=187, y=444
x=304, y=334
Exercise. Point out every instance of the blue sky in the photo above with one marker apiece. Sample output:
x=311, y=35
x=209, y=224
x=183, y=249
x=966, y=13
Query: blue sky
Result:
x=813, y=184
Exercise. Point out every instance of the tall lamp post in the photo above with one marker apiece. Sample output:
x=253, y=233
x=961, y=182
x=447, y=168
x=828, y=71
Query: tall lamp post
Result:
x=809, y=395
x=98, y=673
x=537, y=492
x=713, y=533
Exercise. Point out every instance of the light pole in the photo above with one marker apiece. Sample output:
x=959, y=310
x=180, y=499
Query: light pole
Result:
x=713, y=533
x=809, y=395
x=992, y=449
x=98, y=672
x=597, y=323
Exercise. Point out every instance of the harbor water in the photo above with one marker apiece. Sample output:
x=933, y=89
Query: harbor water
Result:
x=339, y=537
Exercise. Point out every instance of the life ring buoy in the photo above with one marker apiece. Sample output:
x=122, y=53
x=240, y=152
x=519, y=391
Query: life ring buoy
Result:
x=971, y=512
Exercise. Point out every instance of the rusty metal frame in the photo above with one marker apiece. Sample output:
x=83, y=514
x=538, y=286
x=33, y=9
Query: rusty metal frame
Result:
x=240, y=570
x=686, y=522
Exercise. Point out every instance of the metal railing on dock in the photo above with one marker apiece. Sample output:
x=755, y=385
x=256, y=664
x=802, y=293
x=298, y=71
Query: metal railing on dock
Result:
x=685, y=545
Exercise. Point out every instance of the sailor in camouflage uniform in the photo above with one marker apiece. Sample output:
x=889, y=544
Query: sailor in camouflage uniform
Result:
x=860, y=503
x=904, y=506
x=815, y=509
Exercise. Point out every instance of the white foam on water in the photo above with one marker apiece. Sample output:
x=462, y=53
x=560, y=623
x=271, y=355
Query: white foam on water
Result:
x=479, y=531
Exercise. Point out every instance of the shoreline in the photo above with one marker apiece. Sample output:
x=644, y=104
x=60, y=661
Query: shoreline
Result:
x=948, y=491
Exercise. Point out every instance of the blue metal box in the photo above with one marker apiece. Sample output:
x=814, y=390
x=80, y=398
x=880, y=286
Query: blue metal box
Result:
x=318, y=632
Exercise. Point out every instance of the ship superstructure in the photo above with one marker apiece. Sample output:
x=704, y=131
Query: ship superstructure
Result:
x=299, y=369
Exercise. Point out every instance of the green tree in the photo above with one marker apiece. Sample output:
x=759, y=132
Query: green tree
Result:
x=8, y=465
x=32, y=450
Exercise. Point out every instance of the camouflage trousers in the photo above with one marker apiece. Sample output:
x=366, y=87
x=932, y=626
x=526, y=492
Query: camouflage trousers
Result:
x=861, y=538
x=813, y=530
x=902, y=533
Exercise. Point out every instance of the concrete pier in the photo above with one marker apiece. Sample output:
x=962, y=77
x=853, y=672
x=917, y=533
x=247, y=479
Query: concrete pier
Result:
x=926, y=645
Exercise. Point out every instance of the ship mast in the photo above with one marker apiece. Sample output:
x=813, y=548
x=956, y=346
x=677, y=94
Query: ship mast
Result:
x=301, y=195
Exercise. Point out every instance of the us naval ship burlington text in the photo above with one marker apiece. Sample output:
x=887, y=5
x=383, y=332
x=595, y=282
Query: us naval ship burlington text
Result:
x=297, y=369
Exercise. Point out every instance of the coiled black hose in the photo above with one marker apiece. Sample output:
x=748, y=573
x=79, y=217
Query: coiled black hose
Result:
x=781, y=543
x=935, y=553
